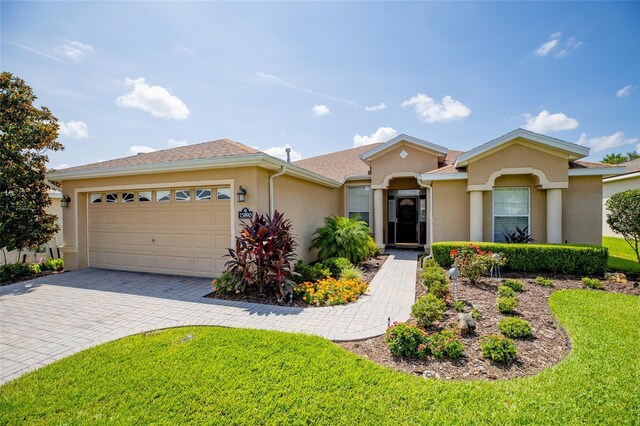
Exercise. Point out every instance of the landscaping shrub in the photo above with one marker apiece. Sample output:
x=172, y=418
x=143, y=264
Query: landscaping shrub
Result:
x=593, y=283
x=516, y=285
x=430, y=263
x=436, y=281
x=344, y=237
x=227, y=283
x=553, y=258
x=476, y=314
x=445, y=344
x=473, y=262
x=515, y=327
x=433, y=274
x=403, y=339
x=545, y=282
x=507, y=305
x=331, y=291
x=498, y=348
x=336, y=265
x=309, y=273
x=458, y=305
x=36, y=268
x=263, y=255
x=439, y=289
x=352, y=273
x=14, y=271
x=54, y=264
x=504, y=291
x=428, y=309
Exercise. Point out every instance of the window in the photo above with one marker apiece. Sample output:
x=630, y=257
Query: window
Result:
x=112, y=197
x=144, y=197
x=163, y=196
x=510, y=209
x=203, y=194
x=358, y=202
x=183, y=195
x=223, y=193
x=127, y=197
x=96, y=198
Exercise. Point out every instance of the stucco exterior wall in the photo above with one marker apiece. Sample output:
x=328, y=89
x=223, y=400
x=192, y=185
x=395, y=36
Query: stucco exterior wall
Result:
x=613, y=187
x=450, y=211
x=518, y=153
x=582, y=211
x=417, y=161
x=306, y=204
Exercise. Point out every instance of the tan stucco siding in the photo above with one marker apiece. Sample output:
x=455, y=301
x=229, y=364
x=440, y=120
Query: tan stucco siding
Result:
x=516, y=155
x=417, y=161
x=306, y=204
x=75, y=216
x=613, y=187
x=537, y=207
x=450, y=211
x=582, y=211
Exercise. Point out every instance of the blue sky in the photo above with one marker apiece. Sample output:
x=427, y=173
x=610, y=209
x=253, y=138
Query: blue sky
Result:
x=127, y=77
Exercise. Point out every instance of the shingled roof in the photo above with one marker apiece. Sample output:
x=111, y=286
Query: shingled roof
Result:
x=214, y=149
x=338, y=165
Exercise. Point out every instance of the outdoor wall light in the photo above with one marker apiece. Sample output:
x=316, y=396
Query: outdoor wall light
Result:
x=65, y=201
x=241, y=193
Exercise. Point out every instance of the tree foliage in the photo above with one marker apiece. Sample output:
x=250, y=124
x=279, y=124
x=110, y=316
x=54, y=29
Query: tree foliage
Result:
x=620, y=158
x=624, y=216
x=26, y=133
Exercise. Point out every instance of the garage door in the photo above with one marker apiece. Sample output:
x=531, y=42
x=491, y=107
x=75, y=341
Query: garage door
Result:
x=183, y=231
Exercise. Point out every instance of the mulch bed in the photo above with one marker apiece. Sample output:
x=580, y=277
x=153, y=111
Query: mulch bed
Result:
x=370, y=268
x=548, y=345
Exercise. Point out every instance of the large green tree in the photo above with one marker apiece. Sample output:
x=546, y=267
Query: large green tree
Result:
x=624, y=217
x=26, y=134
x=614, y=158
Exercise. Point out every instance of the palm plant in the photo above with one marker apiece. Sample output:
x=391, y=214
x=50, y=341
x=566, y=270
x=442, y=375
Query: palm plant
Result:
x=343, y=237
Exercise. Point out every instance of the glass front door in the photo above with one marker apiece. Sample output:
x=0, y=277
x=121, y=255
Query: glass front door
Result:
x=407, y=220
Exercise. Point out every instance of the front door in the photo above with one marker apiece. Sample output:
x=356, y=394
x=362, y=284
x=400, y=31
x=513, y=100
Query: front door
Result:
x=407, y=220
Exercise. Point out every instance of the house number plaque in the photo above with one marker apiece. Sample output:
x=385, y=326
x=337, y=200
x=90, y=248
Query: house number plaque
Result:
x=245, y=213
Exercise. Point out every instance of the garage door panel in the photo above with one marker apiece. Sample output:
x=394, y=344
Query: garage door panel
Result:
x=163, y=240
x=111, y=238
x=146, y=261
x=222, y=242
x=203, y=218
x=183, y=241
x=203, y=241
x=164, y=218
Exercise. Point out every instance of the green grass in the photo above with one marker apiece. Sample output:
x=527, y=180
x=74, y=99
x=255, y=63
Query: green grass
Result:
x=230, y=376
x=621, y=256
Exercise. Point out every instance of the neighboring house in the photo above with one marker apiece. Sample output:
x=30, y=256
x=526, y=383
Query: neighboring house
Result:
x=630, y=179
x=178, y=210
x=56, y=209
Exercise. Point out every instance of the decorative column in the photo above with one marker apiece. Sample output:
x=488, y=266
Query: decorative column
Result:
x=475, y=215
x=378, y=215
x=554, y=216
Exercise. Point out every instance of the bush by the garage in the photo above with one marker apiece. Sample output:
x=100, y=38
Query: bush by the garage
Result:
x=554, y=258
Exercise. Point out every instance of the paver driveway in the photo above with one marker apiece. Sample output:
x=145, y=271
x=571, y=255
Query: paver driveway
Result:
x=48, y=318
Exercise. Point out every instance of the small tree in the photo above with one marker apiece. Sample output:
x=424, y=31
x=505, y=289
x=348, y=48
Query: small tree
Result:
x=344, y=237
x=624, y=216
x=26, y=133
x=614, y=158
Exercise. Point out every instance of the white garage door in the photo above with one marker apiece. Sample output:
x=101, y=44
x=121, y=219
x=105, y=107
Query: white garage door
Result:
x=183, y=231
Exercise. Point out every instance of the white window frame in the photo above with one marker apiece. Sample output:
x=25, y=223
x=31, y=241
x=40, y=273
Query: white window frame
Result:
x=493, y=209
x=348, y=212
x=220, y=191
x=199, y=196
x=158, y=193
x=106, y=197
x=149, y=197
x=130, y=199
x=183, y=191
x=97, y=198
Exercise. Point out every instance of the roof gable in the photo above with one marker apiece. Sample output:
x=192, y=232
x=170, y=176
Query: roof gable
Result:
x=338, y=165
x=369, y=155
x=573, y=150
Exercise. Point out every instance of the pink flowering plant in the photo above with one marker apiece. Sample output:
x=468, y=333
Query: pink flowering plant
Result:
x=474, y=262
x=404, y=339
x=445, y=344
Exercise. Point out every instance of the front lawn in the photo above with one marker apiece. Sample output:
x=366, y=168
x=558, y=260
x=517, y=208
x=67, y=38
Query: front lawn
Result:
x=621, y=256
x=209, y=375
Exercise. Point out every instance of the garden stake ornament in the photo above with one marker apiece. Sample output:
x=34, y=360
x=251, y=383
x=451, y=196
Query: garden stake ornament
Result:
x=495, y=268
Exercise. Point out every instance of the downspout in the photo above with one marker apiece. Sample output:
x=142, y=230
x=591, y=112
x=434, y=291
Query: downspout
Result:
x=423, y=185
x=282, y=171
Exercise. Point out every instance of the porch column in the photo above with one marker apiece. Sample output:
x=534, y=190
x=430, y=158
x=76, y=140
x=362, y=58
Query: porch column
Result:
x=378, y=215
x=554, y=216
x=475, y=215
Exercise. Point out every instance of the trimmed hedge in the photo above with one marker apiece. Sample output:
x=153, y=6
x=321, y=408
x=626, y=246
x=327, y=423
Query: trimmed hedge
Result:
x=555, y=258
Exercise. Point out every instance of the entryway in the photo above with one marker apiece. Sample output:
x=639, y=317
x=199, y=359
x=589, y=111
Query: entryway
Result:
x=406, y=217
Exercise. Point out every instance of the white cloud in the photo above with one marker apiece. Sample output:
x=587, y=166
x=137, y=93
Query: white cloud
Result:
x=430, y=111
x=626, y=90
x=61, y=166
x=176, y=143
x=378, y=107
x=74, y=129
x=602, y=143
x=571, y=45
x=546, y=122
x=320, y=110
x=281, y=152
x=138, y=149
x=383, y=134
x=76, y=50
x=546, y=47
x=155, y=100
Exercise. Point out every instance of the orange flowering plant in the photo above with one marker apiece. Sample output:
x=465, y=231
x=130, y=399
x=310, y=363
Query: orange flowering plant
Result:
x=474, y=262
x=331, y=291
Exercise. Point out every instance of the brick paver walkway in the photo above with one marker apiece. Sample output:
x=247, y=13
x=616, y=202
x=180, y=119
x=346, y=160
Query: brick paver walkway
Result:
x=49, y=318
